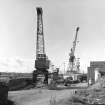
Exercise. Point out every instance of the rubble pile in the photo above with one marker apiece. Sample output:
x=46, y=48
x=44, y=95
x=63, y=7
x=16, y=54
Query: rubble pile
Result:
x=92, y=97
x=94, y=94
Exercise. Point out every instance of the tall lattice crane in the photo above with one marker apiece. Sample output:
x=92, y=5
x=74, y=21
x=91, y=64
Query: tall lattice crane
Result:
x=72, y=56
x=41, y=62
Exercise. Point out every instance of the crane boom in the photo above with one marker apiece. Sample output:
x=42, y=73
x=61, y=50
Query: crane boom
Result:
x=40, y=47
x=41, y=61
x=75, y=40
x=72, y=56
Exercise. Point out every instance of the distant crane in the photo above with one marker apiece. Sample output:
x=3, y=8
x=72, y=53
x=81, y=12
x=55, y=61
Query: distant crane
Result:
x=72, y=56
x=41, y=62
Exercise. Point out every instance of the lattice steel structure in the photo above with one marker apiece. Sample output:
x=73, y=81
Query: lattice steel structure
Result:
x=41, y=62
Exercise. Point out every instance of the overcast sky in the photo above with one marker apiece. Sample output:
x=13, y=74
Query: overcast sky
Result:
x=18, y=32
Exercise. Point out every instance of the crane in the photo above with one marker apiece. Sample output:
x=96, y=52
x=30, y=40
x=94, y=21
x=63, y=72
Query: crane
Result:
x=72, y=56
x=41, y=62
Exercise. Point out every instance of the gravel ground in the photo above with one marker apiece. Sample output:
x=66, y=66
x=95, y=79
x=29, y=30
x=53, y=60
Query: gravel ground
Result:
x=42, y=96
x=38, y=96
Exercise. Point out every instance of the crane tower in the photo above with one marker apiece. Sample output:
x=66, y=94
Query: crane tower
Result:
x=72, y=56
x=41, y=62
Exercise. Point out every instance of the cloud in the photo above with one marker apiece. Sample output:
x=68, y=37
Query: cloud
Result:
x=16, y=65
x=20, y=62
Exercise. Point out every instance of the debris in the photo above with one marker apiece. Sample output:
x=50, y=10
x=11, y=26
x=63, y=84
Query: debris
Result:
x=94, y=95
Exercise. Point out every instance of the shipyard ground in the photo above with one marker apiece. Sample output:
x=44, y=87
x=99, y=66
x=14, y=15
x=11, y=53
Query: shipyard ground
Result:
x=43, y=96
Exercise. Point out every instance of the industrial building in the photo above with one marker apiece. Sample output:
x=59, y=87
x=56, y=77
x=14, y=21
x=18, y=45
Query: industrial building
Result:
x=95, y=71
